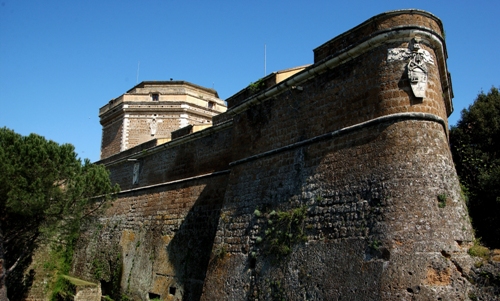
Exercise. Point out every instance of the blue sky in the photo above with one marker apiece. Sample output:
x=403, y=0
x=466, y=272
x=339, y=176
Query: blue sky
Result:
x=60, y=61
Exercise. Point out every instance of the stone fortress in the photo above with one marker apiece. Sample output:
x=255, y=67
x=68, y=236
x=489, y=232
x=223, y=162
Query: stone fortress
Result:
x=332, y=181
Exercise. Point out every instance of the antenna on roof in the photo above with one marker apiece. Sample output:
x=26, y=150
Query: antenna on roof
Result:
x=265, y=60
x=137, y=77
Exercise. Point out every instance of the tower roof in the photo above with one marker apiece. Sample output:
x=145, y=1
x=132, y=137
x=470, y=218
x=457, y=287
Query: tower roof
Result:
x=163, y=83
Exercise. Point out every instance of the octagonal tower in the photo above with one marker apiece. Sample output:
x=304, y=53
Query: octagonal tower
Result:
x=152, y=110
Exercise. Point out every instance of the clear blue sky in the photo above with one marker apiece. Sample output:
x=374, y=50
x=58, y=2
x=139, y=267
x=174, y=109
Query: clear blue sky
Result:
x=60, y=61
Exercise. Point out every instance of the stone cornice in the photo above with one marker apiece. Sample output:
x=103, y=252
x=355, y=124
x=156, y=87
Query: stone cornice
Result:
x=165, y=107
x=387, y=118
x=183, y=180
x=174, y=87
x=173, y=83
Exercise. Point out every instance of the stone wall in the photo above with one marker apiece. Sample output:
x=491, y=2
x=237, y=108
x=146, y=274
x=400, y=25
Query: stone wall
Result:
x=155, y=241
x=336, y=183
x=368, y=160
x=88, y=294
x=374, y=228
x=157, y=237
x=111, y=142
x=183, y=158
x=139, y=127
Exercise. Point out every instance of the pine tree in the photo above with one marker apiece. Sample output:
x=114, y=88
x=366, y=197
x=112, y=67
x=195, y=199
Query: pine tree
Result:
x=44, y=189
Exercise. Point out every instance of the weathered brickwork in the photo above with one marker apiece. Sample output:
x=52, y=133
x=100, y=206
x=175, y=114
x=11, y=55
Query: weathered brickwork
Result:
x=111, y=138
x=187, y=158
x=362, y=198
x=262, y=84
x=335, y=183
x=161, y=237
x=356, y=92
x=380, y=23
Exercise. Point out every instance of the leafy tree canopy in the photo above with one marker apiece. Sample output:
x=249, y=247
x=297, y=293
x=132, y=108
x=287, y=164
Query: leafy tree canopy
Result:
x=44, y=189
x=475, y=145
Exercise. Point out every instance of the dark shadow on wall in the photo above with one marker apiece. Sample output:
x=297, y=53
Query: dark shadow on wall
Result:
x=190, y=249
x=22, y=244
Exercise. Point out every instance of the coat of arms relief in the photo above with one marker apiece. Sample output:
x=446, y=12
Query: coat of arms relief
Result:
x=417, y=66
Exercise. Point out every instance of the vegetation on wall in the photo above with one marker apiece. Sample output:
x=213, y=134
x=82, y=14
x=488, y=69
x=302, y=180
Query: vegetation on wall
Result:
x=46, y=192
x=475, y=145
x=281, y=230
x=256, y=86
x=58, y=265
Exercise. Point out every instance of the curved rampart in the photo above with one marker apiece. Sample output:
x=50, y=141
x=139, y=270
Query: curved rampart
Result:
x=350, y=140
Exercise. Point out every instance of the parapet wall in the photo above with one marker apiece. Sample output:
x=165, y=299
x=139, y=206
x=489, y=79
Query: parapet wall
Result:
x=336, y=183
x=198, y=154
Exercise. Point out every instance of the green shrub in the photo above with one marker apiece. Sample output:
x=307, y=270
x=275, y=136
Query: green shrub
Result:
x=478, y=250
x=442, y=200
x=288, y=229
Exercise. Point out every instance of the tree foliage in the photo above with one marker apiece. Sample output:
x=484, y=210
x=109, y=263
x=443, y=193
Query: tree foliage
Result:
x=45, y=194
x=475, y=145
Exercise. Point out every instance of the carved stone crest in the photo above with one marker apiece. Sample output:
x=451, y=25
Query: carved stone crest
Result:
x=417, y=71
x=417, y=65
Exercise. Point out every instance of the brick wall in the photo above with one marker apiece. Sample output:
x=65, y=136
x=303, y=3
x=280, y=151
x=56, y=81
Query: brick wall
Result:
x=355, y=92
x=157, y=239
x=175, y=161
x=368, y=160
x=345, y=139
x=159, y=233
x=380, y=23
x=111, y=138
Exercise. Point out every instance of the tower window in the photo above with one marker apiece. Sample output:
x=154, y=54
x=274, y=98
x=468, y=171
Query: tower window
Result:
x=155, y=97
x=211, y=105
